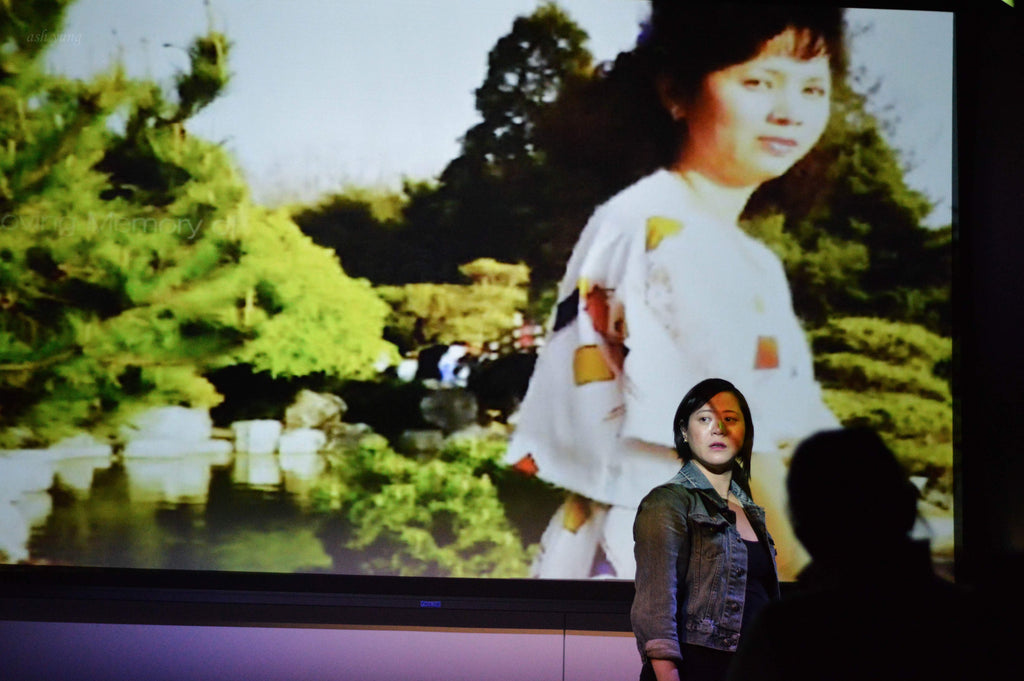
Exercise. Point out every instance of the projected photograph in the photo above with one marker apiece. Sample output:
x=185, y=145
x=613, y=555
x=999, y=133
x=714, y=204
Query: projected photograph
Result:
x=414, y=288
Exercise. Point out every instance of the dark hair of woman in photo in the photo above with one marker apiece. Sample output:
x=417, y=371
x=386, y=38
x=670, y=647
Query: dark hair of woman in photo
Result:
x=617, y=125
x=663, y=287
x=705, y=562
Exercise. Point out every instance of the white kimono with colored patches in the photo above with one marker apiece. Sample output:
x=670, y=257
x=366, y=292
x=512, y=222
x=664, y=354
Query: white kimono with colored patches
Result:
x=668, y=296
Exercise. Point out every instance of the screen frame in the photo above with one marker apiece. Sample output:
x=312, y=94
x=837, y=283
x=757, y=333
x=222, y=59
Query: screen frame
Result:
x=140, y=594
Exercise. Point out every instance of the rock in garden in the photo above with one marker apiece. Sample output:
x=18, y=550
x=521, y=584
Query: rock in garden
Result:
x=450, y=409
x=180, y=424
x=301, y=441
x=257, y=437
x=313, y=410
x=421, y=441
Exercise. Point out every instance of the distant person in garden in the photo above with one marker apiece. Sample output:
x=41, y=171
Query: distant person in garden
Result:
x=705, y=562
x=663, y=288
x=869, y=605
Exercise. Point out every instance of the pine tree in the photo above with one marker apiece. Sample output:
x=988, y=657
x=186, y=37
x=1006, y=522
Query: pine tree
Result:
x=132, y=258
x=494, y=199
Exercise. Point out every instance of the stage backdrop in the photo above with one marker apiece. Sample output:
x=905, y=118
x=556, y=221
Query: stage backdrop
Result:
x=274, y=276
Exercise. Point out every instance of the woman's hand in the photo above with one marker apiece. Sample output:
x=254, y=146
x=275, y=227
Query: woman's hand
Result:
x=665, y=670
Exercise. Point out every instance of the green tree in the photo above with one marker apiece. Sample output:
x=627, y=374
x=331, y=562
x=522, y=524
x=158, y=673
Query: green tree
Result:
x=500, y=198
x=893, y=377
x=132, y=260
x=437, y=516
x=527, y=69
x=494, y=198
x=370, y=232
x=477, y=312
x=853, y=241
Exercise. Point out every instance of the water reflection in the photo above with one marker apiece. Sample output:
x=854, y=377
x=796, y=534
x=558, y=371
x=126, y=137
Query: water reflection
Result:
x=258, y=471
x=302, y=472
x=76, y=475
x=197, y=512
x=171, y=481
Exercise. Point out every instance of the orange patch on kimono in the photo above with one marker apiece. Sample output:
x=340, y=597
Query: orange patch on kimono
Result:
x=606, y=314
x=577, y=512
x=658, y=228
x=589, y=365
x=526, y=465
x=597, y=308
x=767, y=353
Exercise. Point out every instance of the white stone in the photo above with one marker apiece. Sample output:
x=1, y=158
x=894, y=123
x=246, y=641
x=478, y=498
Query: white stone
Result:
x=214, y=449
x=170, y=423
x=256, y=437
x=14, y=533
x=23, y=471
x=406, y=370
x=81, y=447
x=301, y=466
x=153, y=449
x=218, y=451
x=301, y=441
x=173, y=449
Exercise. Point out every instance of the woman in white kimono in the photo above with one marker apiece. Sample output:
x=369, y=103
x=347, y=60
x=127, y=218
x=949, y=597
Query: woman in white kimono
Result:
x=663, y=288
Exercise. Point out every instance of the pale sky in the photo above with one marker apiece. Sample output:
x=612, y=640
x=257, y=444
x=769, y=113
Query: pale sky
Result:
x=331, y=93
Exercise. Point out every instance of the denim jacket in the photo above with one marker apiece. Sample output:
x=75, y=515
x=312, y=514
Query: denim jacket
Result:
x=692, y=563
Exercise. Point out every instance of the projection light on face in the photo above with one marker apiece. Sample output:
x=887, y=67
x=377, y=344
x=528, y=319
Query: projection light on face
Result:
x=716, y=432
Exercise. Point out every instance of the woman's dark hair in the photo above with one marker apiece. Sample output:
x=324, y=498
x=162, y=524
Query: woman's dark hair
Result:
x=697, y=397
x=688, y=41
x=617, y=124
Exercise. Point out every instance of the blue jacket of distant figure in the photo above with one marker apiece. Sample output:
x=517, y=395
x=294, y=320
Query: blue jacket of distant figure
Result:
x=691, y=566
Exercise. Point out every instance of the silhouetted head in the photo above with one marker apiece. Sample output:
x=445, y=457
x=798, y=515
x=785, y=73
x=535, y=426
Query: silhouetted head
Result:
x=847, y=492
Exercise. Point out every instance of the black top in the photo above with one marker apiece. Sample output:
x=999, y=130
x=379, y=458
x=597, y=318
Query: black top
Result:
x=759, y=578
x=707, y=664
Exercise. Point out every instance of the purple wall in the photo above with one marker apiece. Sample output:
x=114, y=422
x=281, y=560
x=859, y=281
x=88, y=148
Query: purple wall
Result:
x=114, y=652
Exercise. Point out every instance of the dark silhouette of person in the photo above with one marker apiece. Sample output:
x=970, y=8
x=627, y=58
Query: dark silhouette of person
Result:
x=869, y=605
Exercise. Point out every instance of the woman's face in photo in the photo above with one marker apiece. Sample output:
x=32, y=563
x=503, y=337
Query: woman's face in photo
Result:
x=716, y=432
x=749, y=123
